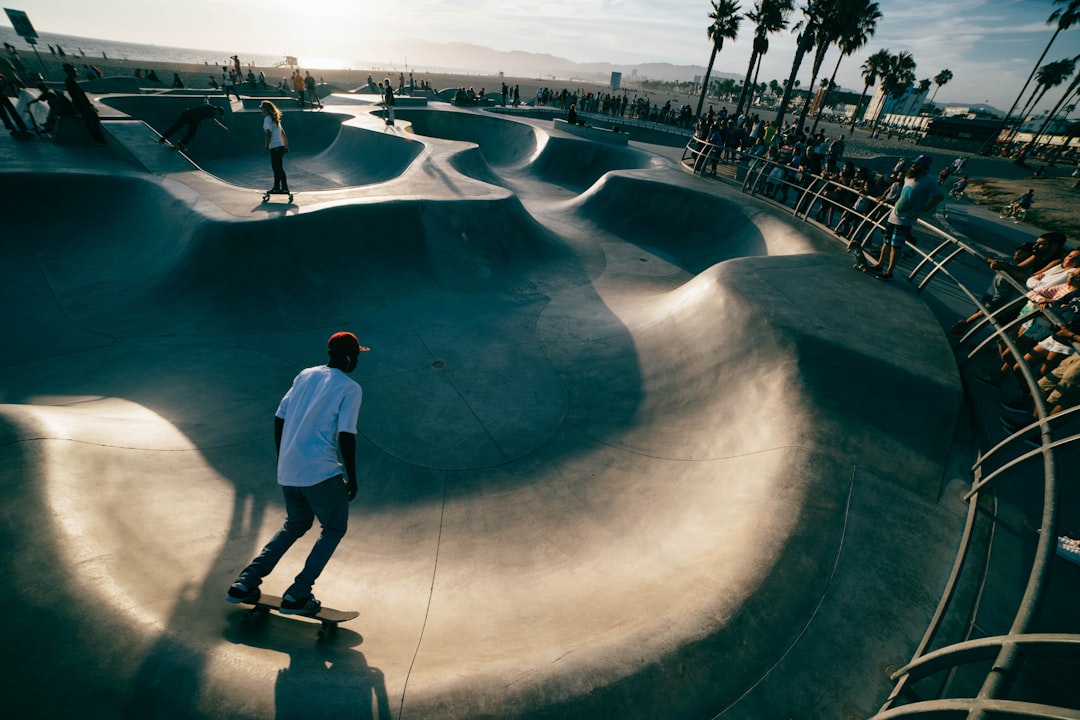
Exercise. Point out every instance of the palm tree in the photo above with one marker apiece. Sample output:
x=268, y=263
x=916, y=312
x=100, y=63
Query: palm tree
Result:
x=876, y=65
x=725, y=25
x=942, y=78
x=1048, y=76
x=1074, y=86
x=1065, y=17
x=857, y=23
x=769, y=16
x=814, y=11
x=897, y=79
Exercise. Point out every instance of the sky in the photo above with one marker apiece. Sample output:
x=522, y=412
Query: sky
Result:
x=989, y=45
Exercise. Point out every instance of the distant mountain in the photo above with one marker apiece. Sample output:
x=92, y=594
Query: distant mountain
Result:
x=475, y=59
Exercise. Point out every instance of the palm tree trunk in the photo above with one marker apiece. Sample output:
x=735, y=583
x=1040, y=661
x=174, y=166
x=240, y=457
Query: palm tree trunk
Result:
x=855, y=113
x=1031, y=102
x=757, y=72
x=1019, y=96
x=1054, y=111
x=800, y=49
x=819, y=58
x=705, y=83
x=746, y=83
x=828, y=89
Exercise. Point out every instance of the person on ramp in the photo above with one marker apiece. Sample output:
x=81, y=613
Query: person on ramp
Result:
x=276, y=144
x=315, y=421
x=388, y=101
x=192, y=117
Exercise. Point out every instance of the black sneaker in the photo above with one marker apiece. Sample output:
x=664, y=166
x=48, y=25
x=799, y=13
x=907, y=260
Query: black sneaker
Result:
x=882, y=275
x=240, y=593
x=305, y=606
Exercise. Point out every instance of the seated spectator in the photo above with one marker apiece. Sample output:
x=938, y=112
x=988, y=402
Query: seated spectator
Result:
x=1038, y=328
x=1060, y=387
x=1028, y=259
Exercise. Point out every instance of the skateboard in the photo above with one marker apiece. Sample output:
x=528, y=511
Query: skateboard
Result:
x=329, y=617
x=164, y=142
x=266, y=195
x=860, y=259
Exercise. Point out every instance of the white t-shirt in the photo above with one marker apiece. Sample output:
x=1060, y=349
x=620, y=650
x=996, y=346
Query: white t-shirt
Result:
x=322, y=402
x=275, y=131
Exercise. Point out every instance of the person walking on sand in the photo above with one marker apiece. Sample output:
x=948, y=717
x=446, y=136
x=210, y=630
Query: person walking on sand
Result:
x=192, y=117
x=276, y=144
x=315, y=421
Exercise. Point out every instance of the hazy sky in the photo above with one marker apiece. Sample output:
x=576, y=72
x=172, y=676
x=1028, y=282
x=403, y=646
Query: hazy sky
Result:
x=990, y=45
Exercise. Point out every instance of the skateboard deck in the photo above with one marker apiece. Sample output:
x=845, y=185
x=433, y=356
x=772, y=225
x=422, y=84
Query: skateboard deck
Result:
x=860, y=259
x=266, y=195
x=164, y=142
x=329, y=617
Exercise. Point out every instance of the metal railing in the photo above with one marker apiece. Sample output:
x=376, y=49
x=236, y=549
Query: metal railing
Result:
x=1010, y=653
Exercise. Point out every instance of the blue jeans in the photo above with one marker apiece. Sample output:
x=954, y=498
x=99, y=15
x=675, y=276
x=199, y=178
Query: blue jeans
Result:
x=329, y=502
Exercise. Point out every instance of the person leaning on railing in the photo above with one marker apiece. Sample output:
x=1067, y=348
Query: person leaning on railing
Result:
x=1060, y=386
x=1056, y=288
x=1028, y=259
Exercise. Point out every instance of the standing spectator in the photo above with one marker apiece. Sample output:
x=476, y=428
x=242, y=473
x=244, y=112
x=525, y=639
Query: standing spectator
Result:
x=82, y=104
x=298, y=86
x=388, y=101
x=228, y=82
x=919, y=195
x=836, y=151
x=309, y=87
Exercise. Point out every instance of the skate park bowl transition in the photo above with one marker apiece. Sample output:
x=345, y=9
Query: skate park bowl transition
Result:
x=625, y=451
x=317, y=143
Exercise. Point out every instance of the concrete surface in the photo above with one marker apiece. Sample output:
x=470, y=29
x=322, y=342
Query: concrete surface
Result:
x=632, y=445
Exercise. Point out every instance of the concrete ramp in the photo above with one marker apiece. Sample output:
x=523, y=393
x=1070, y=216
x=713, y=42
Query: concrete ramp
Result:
x=136, y=140
x=502, y=142
x=644, y=453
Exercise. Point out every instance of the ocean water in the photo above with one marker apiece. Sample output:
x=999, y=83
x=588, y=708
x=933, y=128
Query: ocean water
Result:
x=86, y=50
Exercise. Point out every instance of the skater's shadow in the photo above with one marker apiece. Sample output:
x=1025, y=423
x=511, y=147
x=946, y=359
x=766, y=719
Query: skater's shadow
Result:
x=323, y=678
x=272, y=207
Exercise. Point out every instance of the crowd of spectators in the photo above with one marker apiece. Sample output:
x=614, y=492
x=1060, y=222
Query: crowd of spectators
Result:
x=1045, y=344
x=618, y=105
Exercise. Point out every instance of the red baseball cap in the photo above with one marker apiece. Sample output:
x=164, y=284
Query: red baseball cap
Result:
x=345, y=343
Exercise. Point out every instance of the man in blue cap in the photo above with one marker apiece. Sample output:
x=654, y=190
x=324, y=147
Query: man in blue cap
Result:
x=920, y=194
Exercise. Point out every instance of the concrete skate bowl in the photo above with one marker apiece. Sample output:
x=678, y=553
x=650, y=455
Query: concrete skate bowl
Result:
x=508, y=149
x=501, y=142
x=589, y=489
x=324, y=151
